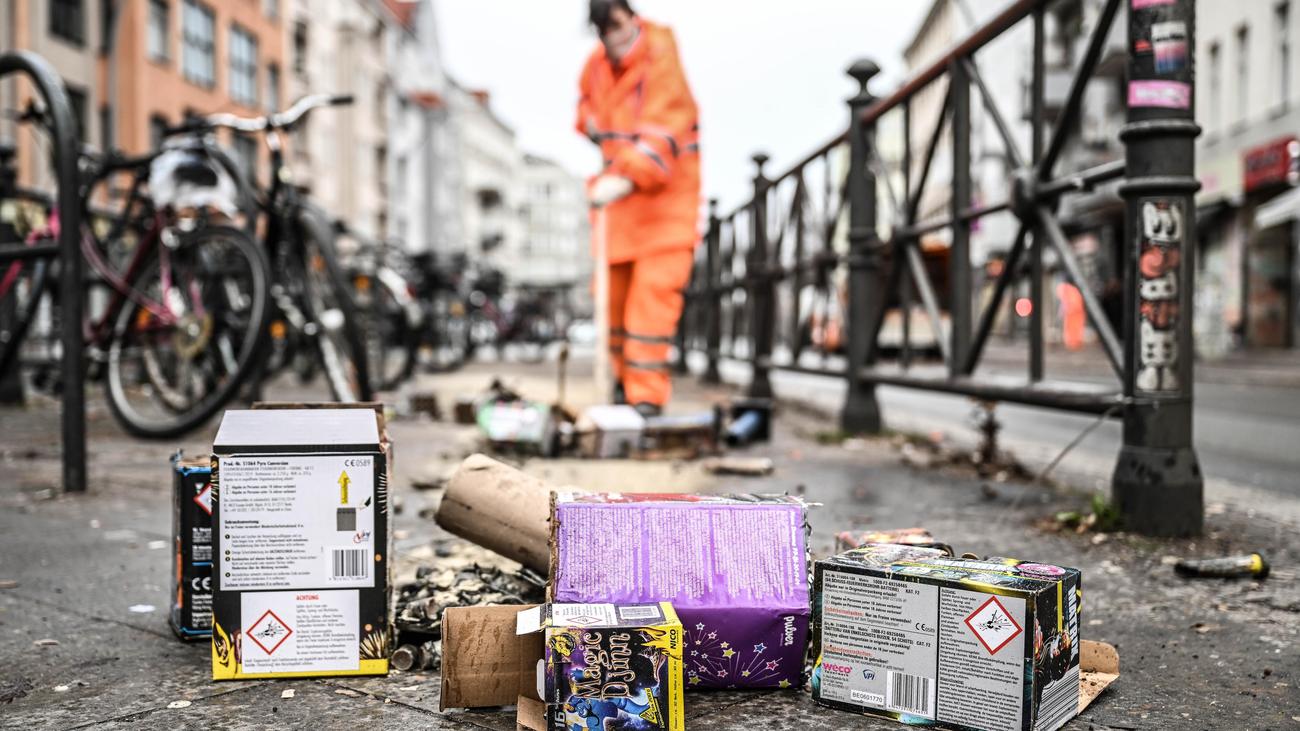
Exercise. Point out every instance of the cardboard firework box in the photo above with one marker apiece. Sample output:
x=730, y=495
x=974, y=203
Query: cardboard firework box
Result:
x=618, y=667
x=912, y=634
x=301, y=544
x=734, y=568
x=191, y=594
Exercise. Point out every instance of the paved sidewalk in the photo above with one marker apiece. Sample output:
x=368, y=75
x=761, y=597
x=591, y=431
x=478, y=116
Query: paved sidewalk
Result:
x=84, y=570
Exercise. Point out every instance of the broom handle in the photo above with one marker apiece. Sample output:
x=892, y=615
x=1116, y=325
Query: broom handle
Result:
x=602, y=369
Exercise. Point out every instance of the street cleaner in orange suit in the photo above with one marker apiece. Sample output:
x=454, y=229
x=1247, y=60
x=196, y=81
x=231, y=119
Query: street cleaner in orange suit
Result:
x=636, y=105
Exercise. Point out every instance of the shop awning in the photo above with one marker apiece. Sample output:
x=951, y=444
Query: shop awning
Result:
x=1281, y=209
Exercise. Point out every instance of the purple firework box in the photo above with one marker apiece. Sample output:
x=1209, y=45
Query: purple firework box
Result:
x=734, y=567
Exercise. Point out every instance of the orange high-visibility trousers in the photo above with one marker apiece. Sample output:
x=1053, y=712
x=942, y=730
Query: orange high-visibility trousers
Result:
x=645, y=302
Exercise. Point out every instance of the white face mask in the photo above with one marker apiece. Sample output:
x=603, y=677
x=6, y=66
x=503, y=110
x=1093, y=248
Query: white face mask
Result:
x=619, y=42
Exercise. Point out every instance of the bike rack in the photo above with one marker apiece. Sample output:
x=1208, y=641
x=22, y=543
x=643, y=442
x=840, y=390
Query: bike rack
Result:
x=67, y=251
x=819, y=224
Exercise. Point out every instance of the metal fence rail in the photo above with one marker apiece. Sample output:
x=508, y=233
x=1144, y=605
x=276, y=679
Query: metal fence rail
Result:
x=65, y=251
x=770, y=272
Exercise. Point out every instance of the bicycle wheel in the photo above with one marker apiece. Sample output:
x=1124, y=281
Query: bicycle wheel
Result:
x=388, y=334
x=190, y=333
x=331, y=309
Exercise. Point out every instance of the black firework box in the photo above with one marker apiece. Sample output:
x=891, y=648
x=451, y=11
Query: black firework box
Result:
x=916, y=635
x=191, y=586
x=301, y=584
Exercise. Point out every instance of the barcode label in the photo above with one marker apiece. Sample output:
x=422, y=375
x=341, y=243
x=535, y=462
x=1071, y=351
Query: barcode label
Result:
x=649, y=611
x=351, y=563
x=1060, y=702
x=909, y=694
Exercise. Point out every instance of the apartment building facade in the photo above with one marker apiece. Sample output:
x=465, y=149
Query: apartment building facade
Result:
x=1248, y=105
x=132, y=69
x=554, y=247
x=341, y=155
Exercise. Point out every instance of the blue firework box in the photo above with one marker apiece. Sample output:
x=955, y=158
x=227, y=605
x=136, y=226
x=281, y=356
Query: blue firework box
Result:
x=913, y=634
x=735, y=569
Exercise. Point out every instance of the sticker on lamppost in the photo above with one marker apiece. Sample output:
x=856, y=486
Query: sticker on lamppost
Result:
x=1159, y=257
x=993, y=625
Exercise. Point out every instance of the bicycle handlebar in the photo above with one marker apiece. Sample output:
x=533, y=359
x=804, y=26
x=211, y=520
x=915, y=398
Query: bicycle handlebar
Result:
x=284, y=120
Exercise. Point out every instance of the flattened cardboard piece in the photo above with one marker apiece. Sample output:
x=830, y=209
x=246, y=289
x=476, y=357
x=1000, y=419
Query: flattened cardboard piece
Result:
x=531, y=714
x=1099, y=663
x=484, y=663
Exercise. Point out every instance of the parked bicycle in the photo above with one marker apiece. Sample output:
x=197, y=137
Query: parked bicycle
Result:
x=314, y=312
x=185, y=314
x=391, y=316
x=443, y=343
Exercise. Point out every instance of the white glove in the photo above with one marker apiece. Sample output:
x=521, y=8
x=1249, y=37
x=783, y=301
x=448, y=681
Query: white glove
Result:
x=608, y=188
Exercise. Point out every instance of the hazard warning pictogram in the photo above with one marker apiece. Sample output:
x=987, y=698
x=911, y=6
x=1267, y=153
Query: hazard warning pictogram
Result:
x=993, y=625
x=204, y=498
x=583, y=620
x=269, y=632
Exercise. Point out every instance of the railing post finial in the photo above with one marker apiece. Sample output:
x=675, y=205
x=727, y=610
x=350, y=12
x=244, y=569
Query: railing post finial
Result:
x=862, y=71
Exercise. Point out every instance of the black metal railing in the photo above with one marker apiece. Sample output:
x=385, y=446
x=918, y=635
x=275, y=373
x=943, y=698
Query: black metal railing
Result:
x=839, y=236
x=65, y=251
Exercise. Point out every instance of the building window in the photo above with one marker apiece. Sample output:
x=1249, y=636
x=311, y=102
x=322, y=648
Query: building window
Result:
x=1243, y=73
x=273, y=88
x=271, y=8
x=78, y=101
x=243, y=66
x=107, y=15
x=160, y=18
x=1216, y=87
x=245, y=149
x=300, y=48
x=106, y=128
x=1282, y=26
x=68, y=20
x=157, y=131
x=198, y=39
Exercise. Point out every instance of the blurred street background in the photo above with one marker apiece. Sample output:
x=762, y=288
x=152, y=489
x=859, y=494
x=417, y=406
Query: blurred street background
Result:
x=390, y=201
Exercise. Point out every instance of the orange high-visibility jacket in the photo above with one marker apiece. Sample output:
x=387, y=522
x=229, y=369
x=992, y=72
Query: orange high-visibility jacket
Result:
x=644, y=118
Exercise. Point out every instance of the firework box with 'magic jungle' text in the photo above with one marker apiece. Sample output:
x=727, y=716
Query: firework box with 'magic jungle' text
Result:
x=913, y=634
x=734, y=568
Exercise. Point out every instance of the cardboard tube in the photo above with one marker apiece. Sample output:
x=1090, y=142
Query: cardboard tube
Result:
x=500, y=508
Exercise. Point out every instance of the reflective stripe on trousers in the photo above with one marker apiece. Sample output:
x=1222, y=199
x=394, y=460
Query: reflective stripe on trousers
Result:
x=645, y=302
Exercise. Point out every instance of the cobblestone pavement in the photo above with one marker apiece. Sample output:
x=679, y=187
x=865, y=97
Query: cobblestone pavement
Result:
x=84, y=641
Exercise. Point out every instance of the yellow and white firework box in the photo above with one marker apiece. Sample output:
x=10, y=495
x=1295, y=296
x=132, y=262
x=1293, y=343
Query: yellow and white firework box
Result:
x=919, y=636
x=300, y=544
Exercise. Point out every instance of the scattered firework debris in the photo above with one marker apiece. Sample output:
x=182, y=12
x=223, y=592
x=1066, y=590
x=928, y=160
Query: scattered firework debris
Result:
x=462, y=582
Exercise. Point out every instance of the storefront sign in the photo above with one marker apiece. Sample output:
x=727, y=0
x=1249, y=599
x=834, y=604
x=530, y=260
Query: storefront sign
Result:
x=1274, y=163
